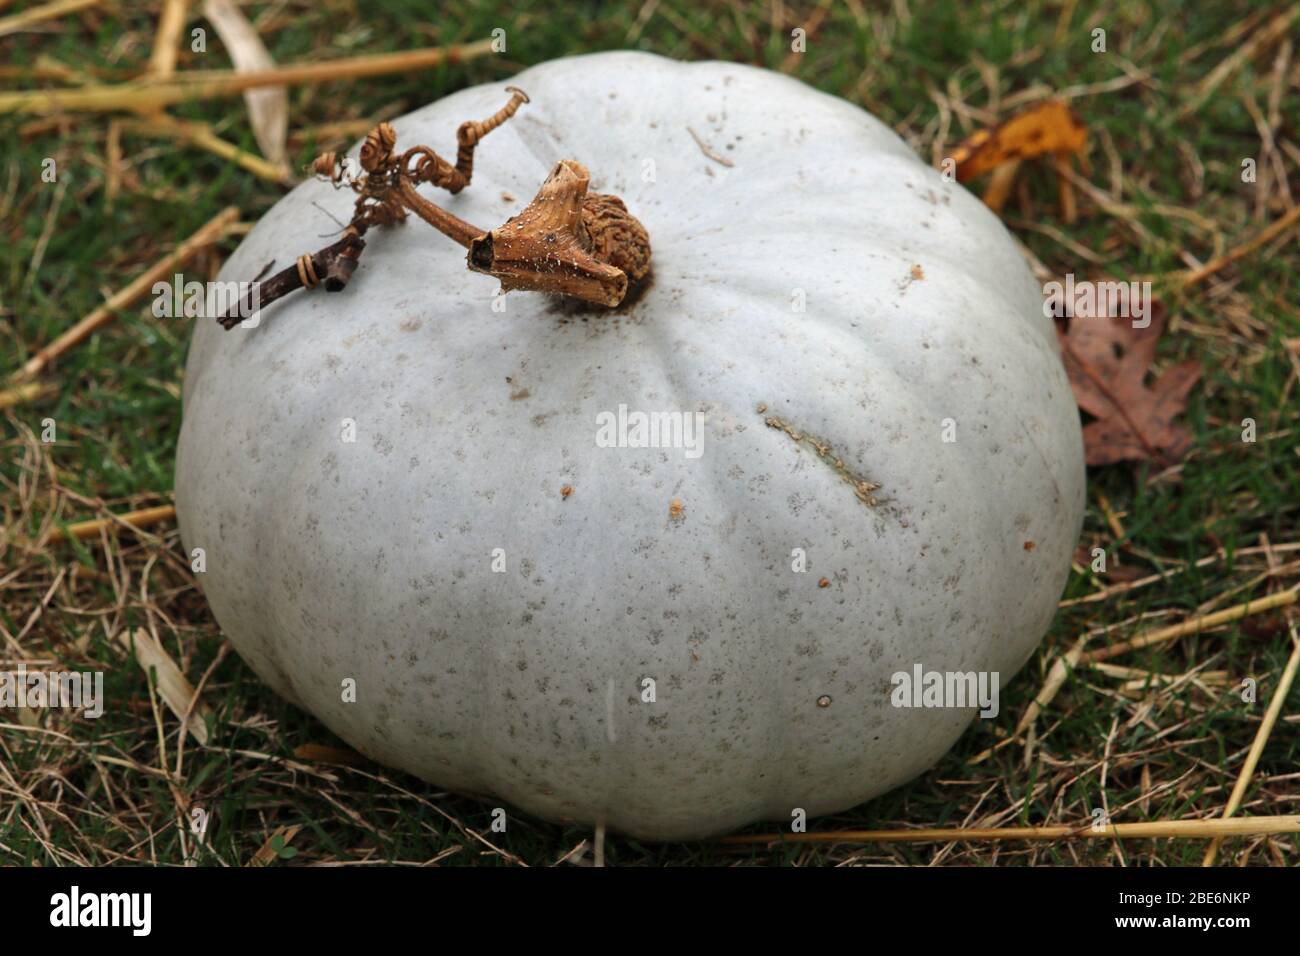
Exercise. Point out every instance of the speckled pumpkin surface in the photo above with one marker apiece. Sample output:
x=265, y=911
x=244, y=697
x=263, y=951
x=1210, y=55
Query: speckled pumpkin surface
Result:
x=822, y=273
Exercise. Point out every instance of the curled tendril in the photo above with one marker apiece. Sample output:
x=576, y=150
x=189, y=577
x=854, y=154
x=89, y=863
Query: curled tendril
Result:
x=377, y=150
x=326, y=164
x=420, y=164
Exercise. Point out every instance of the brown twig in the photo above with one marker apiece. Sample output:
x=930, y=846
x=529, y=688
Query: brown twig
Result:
x=708, y=151
x=451, y=226
x=324, y=753
x=331, y=266
x=472, y=131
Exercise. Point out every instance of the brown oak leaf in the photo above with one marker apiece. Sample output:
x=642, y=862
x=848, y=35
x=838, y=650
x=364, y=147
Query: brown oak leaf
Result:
x=1107, y=360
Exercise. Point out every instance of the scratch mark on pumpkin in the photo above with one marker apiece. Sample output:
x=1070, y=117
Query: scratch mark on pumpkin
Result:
x=863, y=488
x=610, y=734
x=708, y=151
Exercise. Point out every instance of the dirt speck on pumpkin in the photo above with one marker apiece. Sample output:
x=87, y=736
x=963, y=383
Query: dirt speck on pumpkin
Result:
x=566, y=491
x=507, y=197
x=824, y=583
x=411, y=325
x=519, y=394
x=1029, y=546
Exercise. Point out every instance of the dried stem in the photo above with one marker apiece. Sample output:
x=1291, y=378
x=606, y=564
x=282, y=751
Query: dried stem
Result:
x=565, y=242
x=332, y=266
x=1265, y=235
x=453, y=227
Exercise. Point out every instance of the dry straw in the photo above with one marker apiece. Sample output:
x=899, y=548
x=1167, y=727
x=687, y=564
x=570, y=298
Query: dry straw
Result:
x=201, y=135
x=163, y=269
x=151, y=95
x=1187, y=829
x=1261, y=738
x=1075, y=656
x=144, y=518
x=46, y=11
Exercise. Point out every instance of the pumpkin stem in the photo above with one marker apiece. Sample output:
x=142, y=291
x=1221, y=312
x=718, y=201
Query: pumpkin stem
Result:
x=567, y=242
x=453, y=227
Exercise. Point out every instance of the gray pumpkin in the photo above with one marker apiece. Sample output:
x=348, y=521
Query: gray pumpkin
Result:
x=650, y=657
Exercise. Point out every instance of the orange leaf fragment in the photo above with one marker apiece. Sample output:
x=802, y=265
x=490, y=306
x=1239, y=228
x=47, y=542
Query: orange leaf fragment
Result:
x=1049, y=127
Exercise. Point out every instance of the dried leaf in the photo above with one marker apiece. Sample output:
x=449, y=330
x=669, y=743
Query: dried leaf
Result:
x=1107, y=360
x=324, y=753
x=1050, y=127
x=173, y=688
x=268, y=107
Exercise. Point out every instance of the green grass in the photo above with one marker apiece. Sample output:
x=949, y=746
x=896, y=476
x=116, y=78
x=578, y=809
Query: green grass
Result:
x=1170, y=755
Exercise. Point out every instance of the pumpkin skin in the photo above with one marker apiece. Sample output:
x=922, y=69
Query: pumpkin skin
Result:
x=373, y=559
